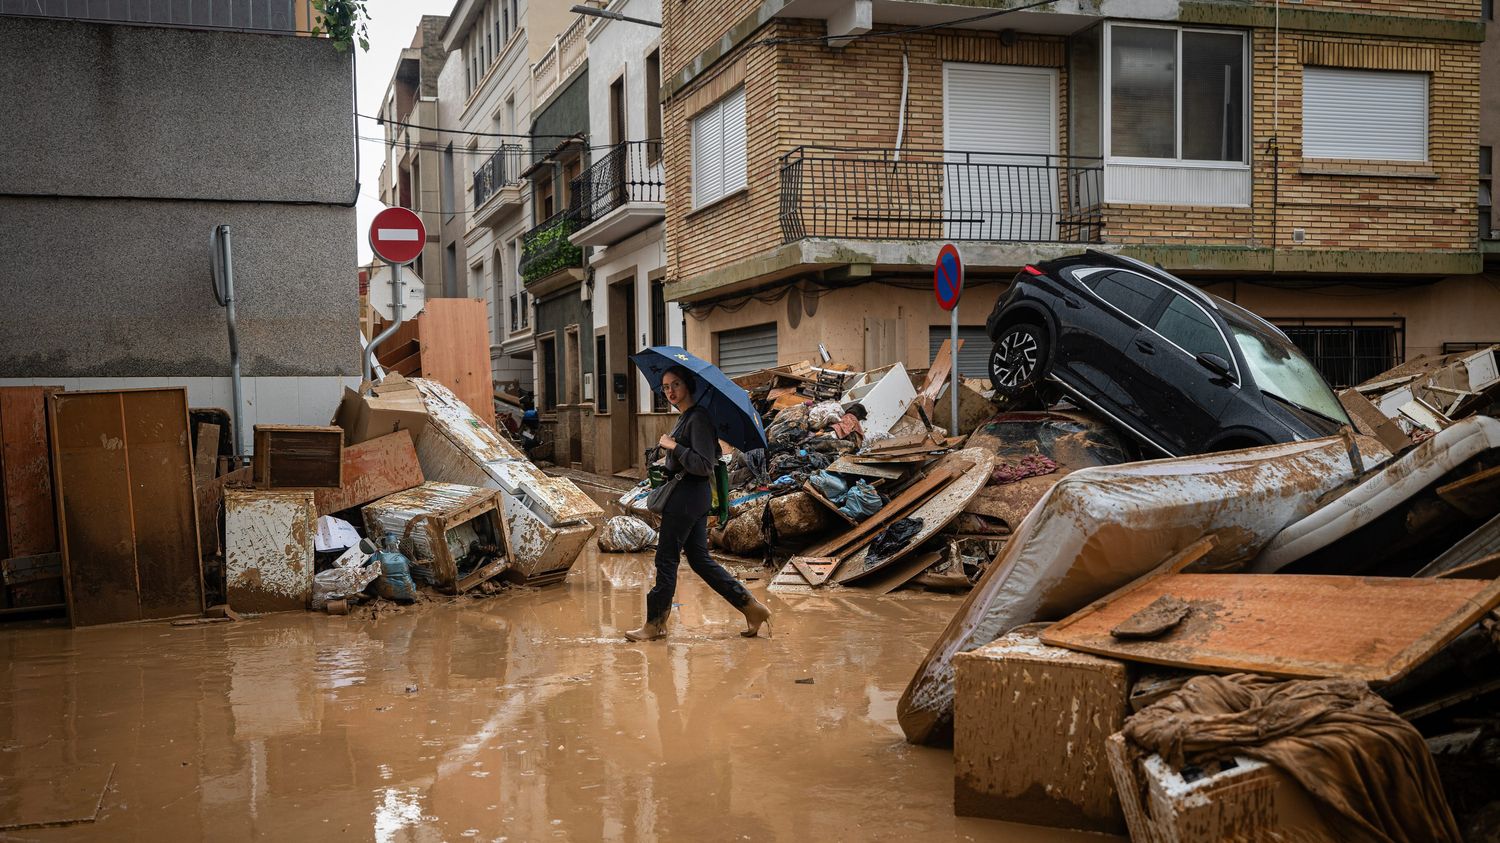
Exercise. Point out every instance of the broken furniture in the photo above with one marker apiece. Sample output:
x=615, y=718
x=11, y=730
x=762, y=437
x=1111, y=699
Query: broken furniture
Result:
x=371, y=470
x=391, y=405
x=1099, y=528
x=30, y=566
x=127, y=514
x=448, y=343
x=1030, y=722
x=298, y=456
x=454, y=529
x=268, y=549
x=1371, y=628
x=885, y=394
x=1429, y=393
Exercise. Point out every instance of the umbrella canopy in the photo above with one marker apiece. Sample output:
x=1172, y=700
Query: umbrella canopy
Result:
x=727, y=403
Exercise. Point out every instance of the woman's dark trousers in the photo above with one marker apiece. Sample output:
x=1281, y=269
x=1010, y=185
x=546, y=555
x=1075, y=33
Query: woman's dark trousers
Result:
x=680, y=533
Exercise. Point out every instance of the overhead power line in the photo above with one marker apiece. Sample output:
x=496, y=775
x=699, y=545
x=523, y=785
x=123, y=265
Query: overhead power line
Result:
x=465, y=131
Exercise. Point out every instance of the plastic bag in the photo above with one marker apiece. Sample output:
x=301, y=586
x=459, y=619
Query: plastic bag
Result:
x=824, y=414
x=892, y=539
x=626, y=534
x=830, y=486
x=861, y=501
x=351, y=573
x=395, y=582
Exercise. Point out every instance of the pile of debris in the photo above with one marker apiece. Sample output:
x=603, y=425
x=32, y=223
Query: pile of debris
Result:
x=1297, y=641
x=149, y=522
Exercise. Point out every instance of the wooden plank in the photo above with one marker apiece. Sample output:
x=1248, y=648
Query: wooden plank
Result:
x=815, y=571
x=1486, y=568
x=52, y=795
x=456, y=352
x=1297, y=626
x=28, y=519
x=844, y=465
x=409, y=366
x=813, y=492
x=899, y=573
x=373, y=469
x=936, y=510
x=95, y=522
x=1477, y=496
x=937, y=376
x=206, y=460
x=169, y=568
x=914, y=494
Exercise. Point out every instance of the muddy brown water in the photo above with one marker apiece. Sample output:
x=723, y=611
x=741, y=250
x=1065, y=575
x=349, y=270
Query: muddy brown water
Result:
x=520, y=717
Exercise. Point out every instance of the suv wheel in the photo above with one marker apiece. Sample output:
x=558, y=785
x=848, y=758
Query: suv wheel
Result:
x=1018, y=362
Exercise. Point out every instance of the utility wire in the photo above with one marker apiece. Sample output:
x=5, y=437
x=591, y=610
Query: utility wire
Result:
x=467, y=131
x=847, y=39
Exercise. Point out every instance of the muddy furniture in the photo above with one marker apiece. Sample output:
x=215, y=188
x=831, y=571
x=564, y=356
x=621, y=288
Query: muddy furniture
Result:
x=268, y=549
x=298, y=456
x=1242, y=799
x=1030, y=723
x=30, y=566
x=447, y=526
x=126, y=511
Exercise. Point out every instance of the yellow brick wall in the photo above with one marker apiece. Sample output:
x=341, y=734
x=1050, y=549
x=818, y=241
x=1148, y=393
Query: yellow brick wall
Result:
x=1444, y=9
x=690, y=26
x=1340, y=205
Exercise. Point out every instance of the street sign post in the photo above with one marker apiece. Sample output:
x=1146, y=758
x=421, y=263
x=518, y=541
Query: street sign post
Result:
x=397, y=236
x=948, y=286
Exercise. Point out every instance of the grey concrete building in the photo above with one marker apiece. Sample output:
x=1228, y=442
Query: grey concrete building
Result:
x=128, y=145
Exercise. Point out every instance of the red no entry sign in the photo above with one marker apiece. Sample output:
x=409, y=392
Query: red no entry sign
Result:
x=948, y=276
x=397, y=236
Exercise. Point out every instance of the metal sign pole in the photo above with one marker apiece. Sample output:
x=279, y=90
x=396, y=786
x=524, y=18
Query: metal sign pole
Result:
x=398, y=311
x=953, y=370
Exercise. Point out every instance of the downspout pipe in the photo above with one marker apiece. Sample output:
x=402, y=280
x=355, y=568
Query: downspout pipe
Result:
x=398, y=309
x=223, y=254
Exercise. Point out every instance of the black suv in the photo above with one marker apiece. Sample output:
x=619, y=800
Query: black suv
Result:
x=1184, y=371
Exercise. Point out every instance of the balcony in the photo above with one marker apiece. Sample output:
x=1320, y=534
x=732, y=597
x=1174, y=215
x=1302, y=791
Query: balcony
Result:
x=929, y=194
x=620, y=195
x=497, y=183
x=548, y=260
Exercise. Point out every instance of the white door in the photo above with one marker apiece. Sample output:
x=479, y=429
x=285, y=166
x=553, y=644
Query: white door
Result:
x=1000, y=131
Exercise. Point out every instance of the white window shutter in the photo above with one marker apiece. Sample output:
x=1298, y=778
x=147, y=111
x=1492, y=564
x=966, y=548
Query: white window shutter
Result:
x=708, y=156
x=733, y=108
x=1375, y=115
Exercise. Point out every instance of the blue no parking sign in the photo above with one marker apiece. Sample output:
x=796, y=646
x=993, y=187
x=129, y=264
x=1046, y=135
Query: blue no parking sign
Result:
x=948, y=276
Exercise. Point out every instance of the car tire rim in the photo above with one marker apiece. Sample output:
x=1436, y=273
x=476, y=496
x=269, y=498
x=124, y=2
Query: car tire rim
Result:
x=1015, y=359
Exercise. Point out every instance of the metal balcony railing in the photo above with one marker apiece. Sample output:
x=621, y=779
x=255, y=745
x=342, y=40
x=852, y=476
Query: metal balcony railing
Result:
x=500, y=169
x=924, y=194
x=628, y=172
x=545, y=249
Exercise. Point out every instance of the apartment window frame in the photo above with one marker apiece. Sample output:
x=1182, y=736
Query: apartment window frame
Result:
x=1107, y=99
x=710, y=134
x=653, y=105
x=1319, y=152
x=1486, y=199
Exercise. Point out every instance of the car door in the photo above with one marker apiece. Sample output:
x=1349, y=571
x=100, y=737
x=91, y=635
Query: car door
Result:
x=1181, y=398
x=1097, y=348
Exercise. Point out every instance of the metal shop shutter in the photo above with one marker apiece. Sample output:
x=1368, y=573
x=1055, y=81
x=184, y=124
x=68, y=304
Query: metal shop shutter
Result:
x=1376, y=115
x=973, y=358
x=747, y=349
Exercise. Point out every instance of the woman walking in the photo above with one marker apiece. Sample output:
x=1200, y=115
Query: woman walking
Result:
x=692, y=449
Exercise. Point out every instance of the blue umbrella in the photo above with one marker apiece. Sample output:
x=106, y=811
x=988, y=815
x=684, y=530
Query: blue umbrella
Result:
x=727, y=403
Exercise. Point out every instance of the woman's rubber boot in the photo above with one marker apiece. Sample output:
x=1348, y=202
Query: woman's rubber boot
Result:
x=756, y=614
x=649, y=631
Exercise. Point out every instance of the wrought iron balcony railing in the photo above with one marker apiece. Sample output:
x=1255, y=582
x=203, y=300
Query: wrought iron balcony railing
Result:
x=923, y=194
x=545, y=249
x=500, y=169
x=628, y=172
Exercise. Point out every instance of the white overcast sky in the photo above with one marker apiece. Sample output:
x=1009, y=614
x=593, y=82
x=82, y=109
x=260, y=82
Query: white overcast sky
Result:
x=392, y=25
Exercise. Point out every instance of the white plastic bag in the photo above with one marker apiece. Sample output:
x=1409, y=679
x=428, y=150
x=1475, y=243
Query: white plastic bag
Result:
x=824, y=414
x=626, y=534
x=349, y=575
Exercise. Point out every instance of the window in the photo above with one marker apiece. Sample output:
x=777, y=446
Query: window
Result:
x=1188, y=327
x=1486, y=193
x=719, y=149
x=1177, y=94
x=510, y=114
x=544, y=209
x=498, y=284
x=548, y=347
x=447, y=185
x=1133, y=294
x=658, y=332
x=476, y=281
x=1375, y=115
x=653, y=106
x=1349, y=353
x=601, y=373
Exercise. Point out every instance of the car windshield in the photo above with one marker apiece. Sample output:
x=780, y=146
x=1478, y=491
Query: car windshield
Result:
x=1281, y=370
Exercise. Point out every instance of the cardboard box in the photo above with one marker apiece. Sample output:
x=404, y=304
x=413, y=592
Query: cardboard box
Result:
x=394, y=404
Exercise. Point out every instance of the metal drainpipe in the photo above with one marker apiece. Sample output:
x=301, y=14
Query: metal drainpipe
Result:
x=398, y=307
x=226, y=258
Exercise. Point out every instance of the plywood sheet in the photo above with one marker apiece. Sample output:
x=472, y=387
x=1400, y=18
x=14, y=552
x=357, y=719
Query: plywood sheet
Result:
x=49, y=796
x=28, y=524
x=127, y=514
x=1298, y=626
x=456, y=352
x=373, y=469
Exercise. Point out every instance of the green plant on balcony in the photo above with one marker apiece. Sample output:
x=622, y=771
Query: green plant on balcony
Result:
x=549, y=251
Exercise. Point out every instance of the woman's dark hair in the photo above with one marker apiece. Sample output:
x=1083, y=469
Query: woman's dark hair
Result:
x=689, y=380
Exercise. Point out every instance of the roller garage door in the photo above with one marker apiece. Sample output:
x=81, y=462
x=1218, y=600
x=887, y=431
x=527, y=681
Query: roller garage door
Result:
x=746, y=349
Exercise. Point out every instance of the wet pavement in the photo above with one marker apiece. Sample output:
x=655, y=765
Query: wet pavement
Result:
x=520, y=717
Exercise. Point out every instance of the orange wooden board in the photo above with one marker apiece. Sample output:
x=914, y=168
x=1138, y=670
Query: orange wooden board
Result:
x=373, y=469
x=1371, y=628
x=456, y=352
x=28, y=524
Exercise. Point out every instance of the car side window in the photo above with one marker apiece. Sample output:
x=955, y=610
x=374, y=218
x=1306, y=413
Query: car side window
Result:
x=1185, y=324
x=1132, y=293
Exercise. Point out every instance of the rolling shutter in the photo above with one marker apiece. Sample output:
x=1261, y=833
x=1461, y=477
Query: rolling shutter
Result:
x=999, y=115
x=733, y=108
x=1376, y=115
x=708, y=155
x=973, y=358
x=747, y=349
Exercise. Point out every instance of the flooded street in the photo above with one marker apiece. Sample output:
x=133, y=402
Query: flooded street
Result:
x=520, y=717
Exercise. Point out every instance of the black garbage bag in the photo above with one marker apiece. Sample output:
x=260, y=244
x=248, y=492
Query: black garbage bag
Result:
x=892, y=539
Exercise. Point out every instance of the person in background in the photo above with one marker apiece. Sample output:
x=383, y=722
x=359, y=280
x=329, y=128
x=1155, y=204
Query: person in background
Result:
x=692, y=448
